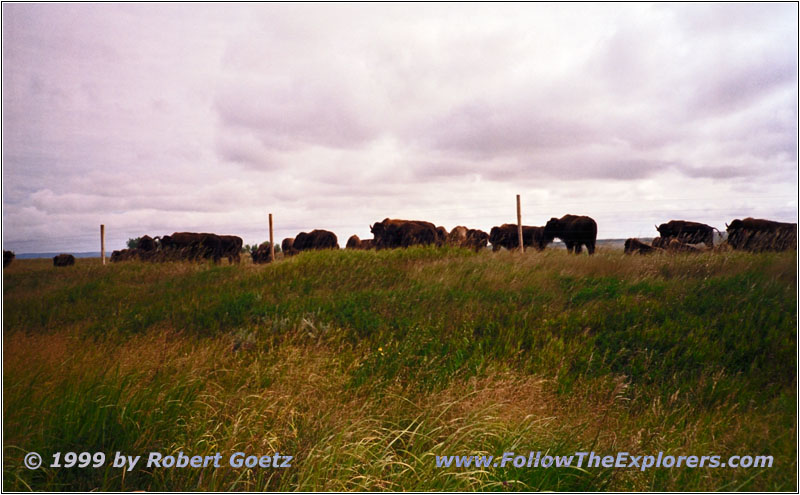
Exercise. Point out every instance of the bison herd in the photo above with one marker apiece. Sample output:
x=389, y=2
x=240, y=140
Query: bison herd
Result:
x=750, y=234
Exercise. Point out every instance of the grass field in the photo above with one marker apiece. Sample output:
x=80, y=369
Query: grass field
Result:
x=366, y=365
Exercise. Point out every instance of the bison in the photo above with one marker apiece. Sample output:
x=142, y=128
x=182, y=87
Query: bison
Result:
x=316, y=239
x=507, y=236
x=63, y=260
x=441, y=236
x=193, y=246
x=287, y=247
x=392, y=233
x=754, y=234
x=231, y=246
x=687, y=232
x=635, y=246
x=262, y=254
x=146, y=243
x=574, y=230
x=476, y=240
x=355, y=243
x=8, y=257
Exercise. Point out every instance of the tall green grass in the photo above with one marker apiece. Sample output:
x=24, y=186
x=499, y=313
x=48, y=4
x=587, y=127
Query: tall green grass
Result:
x=366, y=365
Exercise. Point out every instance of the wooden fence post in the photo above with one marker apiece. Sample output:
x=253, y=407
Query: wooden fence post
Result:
x=271, y=241
x=103, y=242
x=519, y=227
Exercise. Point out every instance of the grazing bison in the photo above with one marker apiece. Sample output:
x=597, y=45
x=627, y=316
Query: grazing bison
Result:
x=193, y=246
x=8, y=257
x=392, y=233
x=441, y=236
x=146, y=243
x=125, y=255
x=676, y=246
x=635, y=246
x=687, y=232
x=287, y=247
x=63, y=260
x=574, y=230
x=231, y=246
x=477, y=239
x=353, y=242
x=457, y=236
x=754, y=234
x=262, y=254
x=507, y=236
x=316, y=239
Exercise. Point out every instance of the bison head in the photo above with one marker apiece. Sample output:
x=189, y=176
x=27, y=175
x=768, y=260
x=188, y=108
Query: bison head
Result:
x=735, y=225
x=553, y=228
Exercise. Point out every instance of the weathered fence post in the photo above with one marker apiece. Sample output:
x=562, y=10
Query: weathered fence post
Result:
x=271, y=241
x=519, y=227
x=103, y=242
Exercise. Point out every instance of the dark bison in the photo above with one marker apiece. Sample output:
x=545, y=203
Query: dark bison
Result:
x=63, y=260
x=392, y=233
x=146, y=243
x=687, y=232
x=754, y=234
x=262, y=254
x=287, y=247
x=316, y=239
x=231, y=246
x=125, y=255
x=193, y=246
x=507, y=236
x=441, y=236
x=635, y=246
x=574, y=230
x=8, y=257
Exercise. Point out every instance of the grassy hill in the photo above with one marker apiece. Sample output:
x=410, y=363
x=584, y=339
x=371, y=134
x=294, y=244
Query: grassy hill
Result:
x=366, y=365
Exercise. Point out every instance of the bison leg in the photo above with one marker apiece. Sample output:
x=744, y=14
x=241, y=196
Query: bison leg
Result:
x=590, y=247
x=569, y=246
x=578, y=248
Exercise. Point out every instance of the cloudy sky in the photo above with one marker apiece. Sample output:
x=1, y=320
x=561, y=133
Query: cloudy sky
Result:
x=156, y=118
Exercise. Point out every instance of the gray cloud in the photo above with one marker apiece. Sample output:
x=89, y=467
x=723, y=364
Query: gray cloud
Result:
x=164, y=117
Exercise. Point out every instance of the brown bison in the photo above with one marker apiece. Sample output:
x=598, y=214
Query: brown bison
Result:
x=441, y=236
x=457, y=236
x=392, y=233
x=469, y=238
x=676, y=246
x=754, y=234
x=477, y=240
x=193, y=246
x=687, y=232
x=316, y=239
x=287, y=247
x=125, y=255
x=63, y=260
x=507, y=236
x=8, y=257
x=355, y=243
x=231, y=246
x=262, y=254
x=146, y=243
x=635, y=246
x=574, y=230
